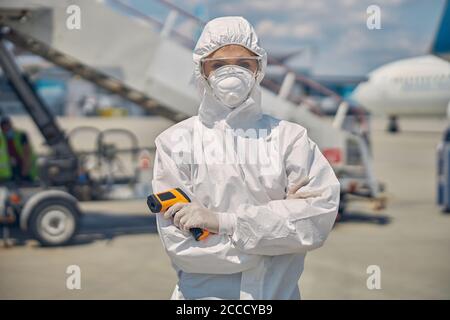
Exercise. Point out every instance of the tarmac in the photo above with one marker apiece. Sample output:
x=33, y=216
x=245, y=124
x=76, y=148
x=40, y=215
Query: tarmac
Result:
x=120, y=255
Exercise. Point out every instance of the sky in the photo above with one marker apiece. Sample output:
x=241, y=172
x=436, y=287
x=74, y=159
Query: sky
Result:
x=332, y=33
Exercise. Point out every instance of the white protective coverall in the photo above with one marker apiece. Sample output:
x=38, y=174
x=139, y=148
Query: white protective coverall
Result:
x=264, y=257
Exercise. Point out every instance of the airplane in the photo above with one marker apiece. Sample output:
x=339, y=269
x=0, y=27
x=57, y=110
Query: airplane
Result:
x=418, y=86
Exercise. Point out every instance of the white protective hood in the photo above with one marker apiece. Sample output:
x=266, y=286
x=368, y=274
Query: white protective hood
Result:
x=216, y=34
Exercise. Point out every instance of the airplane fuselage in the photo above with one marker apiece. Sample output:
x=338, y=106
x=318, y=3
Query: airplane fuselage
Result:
x=414, y=87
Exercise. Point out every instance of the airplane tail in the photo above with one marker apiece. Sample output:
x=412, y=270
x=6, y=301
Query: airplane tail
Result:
x=441, y=44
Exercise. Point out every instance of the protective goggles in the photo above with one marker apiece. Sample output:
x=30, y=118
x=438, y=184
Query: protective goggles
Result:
x=208, y=65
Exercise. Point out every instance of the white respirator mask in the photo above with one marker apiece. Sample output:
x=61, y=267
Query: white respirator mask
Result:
x=231, y=84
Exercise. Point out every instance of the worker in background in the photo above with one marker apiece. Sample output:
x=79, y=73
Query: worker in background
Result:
x=17, y=159
x=264, y=215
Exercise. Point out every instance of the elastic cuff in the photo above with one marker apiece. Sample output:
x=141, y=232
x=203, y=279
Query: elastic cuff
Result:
x=227, y=223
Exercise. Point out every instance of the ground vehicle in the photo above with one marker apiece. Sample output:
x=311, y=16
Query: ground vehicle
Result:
x=50, y=216
x=48, y=208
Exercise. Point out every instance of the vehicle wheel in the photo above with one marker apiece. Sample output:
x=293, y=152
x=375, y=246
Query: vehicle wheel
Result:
x=54, y=222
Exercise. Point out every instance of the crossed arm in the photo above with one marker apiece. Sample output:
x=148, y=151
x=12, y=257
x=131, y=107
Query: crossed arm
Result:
x=296, y=224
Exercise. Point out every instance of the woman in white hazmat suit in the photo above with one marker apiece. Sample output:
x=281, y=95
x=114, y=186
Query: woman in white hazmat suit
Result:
x=265, y=215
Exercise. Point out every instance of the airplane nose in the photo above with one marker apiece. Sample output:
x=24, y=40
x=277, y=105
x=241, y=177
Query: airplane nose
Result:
x=361, y=94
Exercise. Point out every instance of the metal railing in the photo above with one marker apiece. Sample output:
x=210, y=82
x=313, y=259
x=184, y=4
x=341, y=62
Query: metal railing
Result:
x=167, y=29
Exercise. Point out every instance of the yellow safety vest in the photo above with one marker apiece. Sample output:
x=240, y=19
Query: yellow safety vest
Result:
x=19, y=147
x=5, y=167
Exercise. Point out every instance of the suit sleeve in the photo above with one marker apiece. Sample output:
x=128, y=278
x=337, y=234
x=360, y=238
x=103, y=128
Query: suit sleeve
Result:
x=214, y=255
x=298, y=225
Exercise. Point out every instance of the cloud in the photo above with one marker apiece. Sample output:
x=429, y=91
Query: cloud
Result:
x=273, y=6
x=270, y=28
x=336, y=28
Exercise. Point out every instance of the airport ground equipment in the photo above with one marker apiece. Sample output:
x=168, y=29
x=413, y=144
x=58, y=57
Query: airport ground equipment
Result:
x=443, y=172
x=50, y=216
x=108, y=164
x=61, y=166
x=48, y=209
x=149, y=62
x=161, y=202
